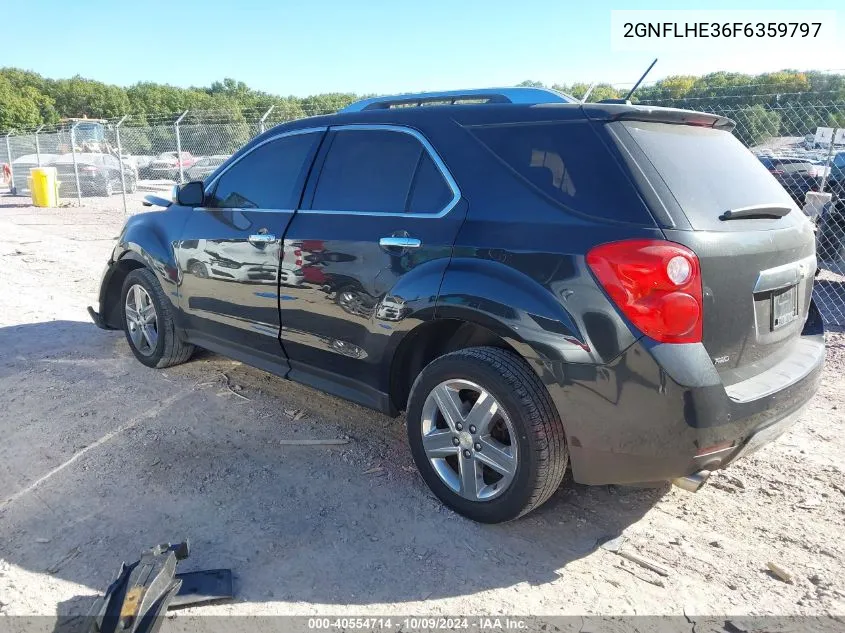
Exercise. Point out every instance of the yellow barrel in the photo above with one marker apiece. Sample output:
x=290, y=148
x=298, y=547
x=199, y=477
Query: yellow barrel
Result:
x=44, y=186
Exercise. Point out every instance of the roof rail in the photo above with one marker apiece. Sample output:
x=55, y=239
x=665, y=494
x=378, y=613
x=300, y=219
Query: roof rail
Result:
x=522, y=95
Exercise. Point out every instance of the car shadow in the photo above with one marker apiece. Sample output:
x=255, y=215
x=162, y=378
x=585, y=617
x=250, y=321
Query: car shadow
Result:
x=103, y=458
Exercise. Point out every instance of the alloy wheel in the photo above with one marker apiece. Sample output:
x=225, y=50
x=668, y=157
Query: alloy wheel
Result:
x=469, y=440
x=141, y=320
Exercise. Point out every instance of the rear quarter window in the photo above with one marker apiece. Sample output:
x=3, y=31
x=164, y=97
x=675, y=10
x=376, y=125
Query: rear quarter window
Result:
x=569, y=164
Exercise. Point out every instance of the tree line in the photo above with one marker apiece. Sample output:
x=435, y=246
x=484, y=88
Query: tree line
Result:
x=787, y=102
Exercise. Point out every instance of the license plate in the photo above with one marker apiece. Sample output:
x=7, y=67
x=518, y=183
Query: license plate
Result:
x=784, y=307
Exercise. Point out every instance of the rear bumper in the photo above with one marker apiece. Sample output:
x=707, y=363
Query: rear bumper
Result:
x=660, y=412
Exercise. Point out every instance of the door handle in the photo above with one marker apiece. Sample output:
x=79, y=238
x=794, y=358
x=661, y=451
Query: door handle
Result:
x=261, y=238
x=400, y=242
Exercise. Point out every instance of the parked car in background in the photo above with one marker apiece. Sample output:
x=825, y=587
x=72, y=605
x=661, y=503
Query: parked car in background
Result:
x=167, y=165
x=99, y=174
x=796, y=175
x=619, y=290
x=239, y=261
x=837, y=170
x=205, y=166
x=142, y=162
x=21, y=167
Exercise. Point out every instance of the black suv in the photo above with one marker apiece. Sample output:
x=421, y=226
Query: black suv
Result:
x=540, y=284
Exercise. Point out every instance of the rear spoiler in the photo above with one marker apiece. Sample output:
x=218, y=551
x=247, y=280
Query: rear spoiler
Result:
x=629, y=112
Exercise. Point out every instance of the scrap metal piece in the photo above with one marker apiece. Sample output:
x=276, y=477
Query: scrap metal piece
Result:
x=137, y=599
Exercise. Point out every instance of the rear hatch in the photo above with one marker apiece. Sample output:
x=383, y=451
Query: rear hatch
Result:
x=756, y=248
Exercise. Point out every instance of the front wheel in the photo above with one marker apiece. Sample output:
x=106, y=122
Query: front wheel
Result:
x=148, y=322
x=485, y=435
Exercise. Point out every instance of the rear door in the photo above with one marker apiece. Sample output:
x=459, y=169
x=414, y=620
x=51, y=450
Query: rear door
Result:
x=380, y=209
x=756, y=248
x=229, y=253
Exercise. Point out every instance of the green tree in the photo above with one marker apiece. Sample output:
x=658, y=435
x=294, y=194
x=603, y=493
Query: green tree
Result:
x=579, y=89
x=79, y=97
x=529, y=83
x=755, y=124
x=18, y=106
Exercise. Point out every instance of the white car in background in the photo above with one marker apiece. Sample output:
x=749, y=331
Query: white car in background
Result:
x=205, y=166
x=167, y=165
x=237, y=260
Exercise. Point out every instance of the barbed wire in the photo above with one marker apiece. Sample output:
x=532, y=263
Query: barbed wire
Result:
x=650, y=83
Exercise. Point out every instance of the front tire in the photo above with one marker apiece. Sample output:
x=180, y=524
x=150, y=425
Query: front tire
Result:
x=148, y=322
x=485, y=435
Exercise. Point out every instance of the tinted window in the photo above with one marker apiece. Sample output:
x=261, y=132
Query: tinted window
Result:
x=708, y=171
x=568, y=163
x=429, y=191
x=368, y=170
x=269, y=177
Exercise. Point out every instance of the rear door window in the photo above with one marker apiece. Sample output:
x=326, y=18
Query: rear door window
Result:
x=368, y=171
x=380, y=171
x=568, y=164
x=707, y=170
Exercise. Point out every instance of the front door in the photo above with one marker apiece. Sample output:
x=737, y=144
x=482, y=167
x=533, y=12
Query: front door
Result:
x=381, y=210
x=229, y=254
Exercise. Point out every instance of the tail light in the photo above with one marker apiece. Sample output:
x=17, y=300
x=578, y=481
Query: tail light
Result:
x=656, y=284
x=297, y=253
x=88, y=168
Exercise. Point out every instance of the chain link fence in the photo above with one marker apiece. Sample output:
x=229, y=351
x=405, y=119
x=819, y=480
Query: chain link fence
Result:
x=102, y=158
x=800, y=139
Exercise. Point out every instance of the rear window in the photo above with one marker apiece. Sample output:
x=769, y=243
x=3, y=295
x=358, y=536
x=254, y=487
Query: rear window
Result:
x=708, y=171
x=568, y=164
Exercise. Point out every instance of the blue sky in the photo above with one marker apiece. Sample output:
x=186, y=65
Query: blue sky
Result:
x=362, y=46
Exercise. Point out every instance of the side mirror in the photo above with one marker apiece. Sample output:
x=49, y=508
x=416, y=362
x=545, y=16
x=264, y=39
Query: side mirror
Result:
x=191, y=194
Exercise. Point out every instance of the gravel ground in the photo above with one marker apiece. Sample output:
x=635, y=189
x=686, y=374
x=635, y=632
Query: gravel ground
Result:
x=102, y=457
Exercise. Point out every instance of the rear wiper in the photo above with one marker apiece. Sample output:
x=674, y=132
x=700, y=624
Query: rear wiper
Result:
x=756, y=211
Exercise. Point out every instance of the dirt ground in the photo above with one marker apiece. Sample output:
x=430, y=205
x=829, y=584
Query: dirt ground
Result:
x=102, y=457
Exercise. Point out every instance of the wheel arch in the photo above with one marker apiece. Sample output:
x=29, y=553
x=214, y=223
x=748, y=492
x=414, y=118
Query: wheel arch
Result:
x=435, y=338
x=111, y=288
x=141, y=245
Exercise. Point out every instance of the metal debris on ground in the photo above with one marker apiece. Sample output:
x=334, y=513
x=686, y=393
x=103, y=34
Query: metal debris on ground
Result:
x=144, y=590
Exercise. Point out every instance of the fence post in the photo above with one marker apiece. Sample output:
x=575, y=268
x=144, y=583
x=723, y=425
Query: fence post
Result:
x=37, y=146
x=827, y=166
x=12, y=187
x=75, y=166
x=179, y=147
x=120, y=161
x=264, y=118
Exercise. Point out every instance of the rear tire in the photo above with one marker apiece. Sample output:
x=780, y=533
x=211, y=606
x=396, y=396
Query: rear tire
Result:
x=526, y=445
x=151, y=333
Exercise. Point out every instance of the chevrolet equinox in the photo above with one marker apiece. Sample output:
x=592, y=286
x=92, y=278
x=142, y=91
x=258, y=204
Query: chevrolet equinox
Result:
x=540, y=284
